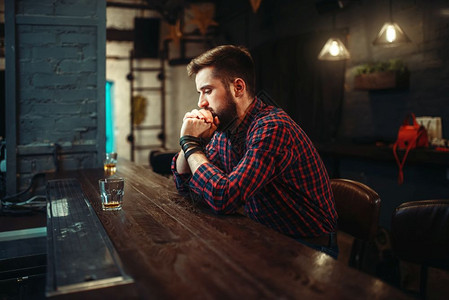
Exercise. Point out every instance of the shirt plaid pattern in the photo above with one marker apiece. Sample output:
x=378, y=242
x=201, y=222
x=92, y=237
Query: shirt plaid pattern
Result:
x=270, y=166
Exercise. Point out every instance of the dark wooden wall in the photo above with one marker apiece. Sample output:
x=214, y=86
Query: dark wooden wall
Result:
x=285, y=38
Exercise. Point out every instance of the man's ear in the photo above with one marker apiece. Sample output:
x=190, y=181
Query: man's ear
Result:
x=239, y=87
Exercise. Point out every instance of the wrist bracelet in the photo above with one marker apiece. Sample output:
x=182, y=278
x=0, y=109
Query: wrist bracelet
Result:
x=191, y=139
x=186, y=146
x=191, y=151
x=191, y=144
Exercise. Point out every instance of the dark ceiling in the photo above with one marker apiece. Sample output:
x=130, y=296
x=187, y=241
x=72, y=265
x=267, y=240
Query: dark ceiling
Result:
x=172, y=10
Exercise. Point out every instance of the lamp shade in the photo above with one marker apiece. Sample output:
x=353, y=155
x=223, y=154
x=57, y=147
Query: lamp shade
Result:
x=334, y=49
x=391, y=35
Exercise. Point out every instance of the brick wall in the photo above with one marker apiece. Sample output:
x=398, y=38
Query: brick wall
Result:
x=60, y=66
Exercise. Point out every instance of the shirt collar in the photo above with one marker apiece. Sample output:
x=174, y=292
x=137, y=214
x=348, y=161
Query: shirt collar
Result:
x=253, y=109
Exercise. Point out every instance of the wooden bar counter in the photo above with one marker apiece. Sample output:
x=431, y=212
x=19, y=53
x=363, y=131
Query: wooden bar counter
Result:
x=175, y=250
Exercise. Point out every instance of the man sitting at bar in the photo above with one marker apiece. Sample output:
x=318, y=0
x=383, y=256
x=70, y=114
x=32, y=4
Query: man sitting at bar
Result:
x=238, y=151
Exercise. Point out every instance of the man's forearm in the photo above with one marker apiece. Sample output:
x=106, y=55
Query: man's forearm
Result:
x=182, y=167
x=194, y=162
x=196, y=159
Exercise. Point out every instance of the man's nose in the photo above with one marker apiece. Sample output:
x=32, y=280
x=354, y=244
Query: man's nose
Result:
x=202, y=102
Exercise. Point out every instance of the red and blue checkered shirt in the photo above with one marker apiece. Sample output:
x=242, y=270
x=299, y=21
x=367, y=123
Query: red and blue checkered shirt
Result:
x=270, y=166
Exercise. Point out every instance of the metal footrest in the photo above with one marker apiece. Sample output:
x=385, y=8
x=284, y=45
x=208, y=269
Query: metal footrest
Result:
x=80, y=255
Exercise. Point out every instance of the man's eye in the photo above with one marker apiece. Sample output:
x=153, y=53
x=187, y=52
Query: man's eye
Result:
x=207, y=91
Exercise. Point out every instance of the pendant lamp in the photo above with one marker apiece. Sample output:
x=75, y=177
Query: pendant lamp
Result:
x=334, y=49
x=391, y=34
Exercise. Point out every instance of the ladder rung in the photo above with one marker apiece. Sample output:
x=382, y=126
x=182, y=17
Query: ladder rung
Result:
x=146, y=147
x=147, y=69
x=147, y=127
x=147, y=89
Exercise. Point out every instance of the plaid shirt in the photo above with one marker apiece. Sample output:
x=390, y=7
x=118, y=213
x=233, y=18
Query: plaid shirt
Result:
x=268, y=165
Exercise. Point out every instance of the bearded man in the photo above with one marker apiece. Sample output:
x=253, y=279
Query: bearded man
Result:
x=238, y=152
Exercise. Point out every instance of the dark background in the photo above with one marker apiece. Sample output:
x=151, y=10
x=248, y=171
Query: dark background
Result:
x=285, y=38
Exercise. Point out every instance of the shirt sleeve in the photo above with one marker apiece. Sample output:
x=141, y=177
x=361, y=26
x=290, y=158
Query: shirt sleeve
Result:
x=181, y=180
x=267, y=155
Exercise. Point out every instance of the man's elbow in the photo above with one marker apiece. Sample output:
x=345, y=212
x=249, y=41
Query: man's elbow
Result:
x=223, y=208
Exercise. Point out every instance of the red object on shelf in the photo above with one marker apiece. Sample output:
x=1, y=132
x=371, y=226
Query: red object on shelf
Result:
x=442, y=149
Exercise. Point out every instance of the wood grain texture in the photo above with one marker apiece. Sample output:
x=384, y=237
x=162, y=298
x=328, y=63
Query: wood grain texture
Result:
x=175, y=250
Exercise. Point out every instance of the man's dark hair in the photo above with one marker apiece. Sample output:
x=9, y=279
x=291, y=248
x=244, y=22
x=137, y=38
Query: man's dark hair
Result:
x=229, y=62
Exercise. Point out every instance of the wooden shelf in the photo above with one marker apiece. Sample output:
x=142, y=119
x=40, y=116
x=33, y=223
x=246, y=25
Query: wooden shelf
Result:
x=424, y=156
x=382, y=81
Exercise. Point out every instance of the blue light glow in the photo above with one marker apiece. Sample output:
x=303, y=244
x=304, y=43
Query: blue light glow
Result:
x=109, y=107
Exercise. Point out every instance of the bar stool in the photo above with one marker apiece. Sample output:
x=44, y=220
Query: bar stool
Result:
x=160, y=161
x=358, y=209
x=420, y=234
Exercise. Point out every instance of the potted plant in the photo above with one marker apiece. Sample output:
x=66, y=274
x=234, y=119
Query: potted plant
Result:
x=392, y=74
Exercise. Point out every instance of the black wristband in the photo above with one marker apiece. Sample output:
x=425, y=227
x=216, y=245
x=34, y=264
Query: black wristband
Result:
x=191, y=144
x=191, y=139
x=186, y=146
x=191, y=151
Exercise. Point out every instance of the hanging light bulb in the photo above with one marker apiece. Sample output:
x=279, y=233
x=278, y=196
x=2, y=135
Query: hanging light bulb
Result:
x=334, y=49
x=391, y=34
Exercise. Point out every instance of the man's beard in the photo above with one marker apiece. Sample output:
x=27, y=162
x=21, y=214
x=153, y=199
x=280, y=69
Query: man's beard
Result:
x=227, y=115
